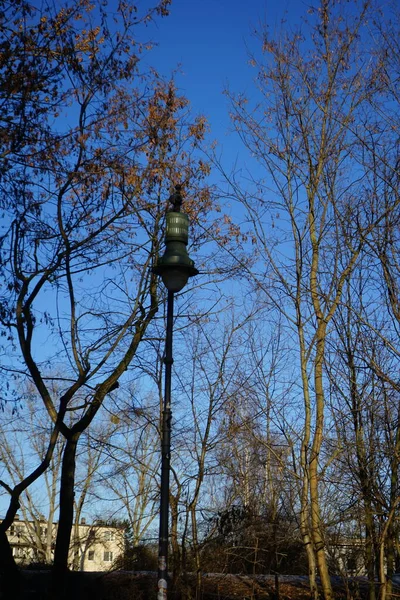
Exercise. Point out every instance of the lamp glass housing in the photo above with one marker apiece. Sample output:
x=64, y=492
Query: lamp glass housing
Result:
x=175, y=279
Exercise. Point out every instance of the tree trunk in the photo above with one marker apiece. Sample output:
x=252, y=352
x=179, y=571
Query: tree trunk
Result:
x=10, y=575
x=66, y=517
x=176, y=562
x=304, y=510
x=370, y=549
x=196, y=551
x=76, y=545
x=307, y=541
x=366, y=480
x=317, y=532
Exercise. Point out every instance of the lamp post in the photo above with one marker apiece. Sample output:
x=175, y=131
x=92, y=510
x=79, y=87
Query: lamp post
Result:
x=175, y=267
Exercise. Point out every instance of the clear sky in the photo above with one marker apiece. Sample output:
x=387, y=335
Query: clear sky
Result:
x=211, y=41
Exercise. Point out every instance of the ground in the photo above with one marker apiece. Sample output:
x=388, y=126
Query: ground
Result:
x=124, y=585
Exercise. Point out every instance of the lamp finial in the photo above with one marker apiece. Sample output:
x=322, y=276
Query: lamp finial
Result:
x=176, y=198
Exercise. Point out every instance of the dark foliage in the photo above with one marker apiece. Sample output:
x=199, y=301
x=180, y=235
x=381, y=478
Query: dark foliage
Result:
x=251, y=543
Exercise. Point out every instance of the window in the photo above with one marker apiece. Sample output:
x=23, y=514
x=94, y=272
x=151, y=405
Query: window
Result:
x=16, y=529
x=351, y=564
x=43, y=531
x=91, y=555
x=18, y=552
x=108, y=556
x=109, y=536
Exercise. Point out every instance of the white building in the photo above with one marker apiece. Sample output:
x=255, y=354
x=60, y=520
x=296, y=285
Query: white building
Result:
x=94, y=547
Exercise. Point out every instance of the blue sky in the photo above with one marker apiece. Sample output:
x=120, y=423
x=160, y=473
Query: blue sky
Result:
x=211, y=41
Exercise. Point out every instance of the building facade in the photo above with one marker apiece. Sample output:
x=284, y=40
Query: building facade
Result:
x=94, y=547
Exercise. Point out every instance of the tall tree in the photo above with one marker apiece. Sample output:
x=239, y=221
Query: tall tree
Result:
x=24, y=437
x=129, y=480
x=309, y=220
x=205, y=386
x=91, y=147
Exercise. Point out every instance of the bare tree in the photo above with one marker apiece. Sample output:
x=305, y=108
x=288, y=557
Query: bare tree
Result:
x=128, y=480
x=24, y=437
x=308, y=216
x=205, y=386
x=92, y=150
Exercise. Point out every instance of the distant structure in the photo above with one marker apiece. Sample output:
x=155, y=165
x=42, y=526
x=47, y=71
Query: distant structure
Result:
x=348, y=556
x=94, y=547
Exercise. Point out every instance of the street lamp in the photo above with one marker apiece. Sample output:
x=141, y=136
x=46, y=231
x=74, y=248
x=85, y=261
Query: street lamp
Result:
x=174, y=268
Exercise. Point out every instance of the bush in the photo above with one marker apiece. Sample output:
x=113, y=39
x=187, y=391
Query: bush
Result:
x=138, y=558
